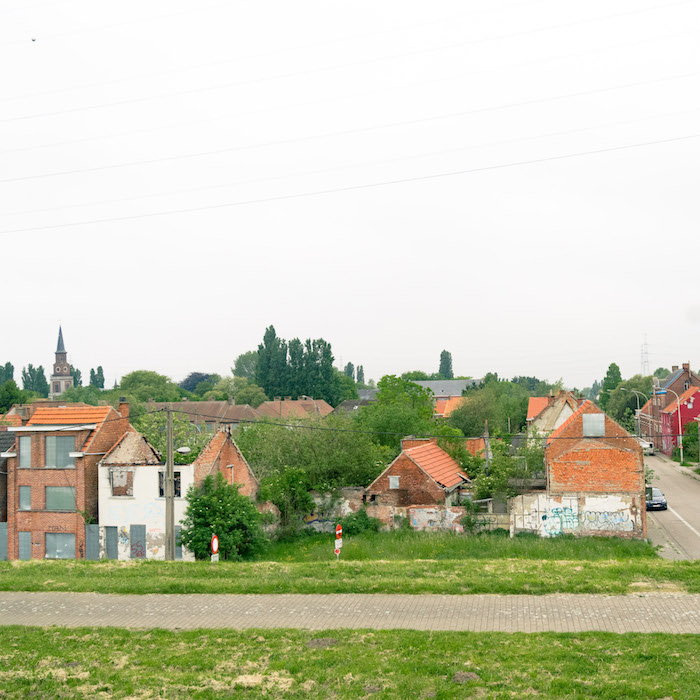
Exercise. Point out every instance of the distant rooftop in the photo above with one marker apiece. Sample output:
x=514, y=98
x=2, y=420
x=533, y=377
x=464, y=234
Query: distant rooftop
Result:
x=447, y=387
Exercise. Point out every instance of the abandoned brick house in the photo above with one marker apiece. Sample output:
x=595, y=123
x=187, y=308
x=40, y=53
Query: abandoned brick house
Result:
x=132, y=492
x=547, y=413
x=52, y=477
x=422, y=474
x=594, y=481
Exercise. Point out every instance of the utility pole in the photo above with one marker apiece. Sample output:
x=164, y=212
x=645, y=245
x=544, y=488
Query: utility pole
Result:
x=169, y=490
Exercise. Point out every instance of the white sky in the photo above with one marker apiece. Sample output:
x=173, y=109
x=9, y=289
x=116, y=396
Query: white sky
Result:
x=553, y=268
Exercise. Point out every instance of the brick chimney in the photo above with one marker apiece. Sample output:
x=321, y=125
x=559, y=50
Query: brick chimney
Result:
x=686, y=366
x=408, y=442
x=123, y=407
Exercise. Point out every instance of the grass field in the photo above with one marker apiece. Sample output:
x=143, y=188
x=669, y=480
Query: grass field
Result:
x=110, y=663
x=410, y=545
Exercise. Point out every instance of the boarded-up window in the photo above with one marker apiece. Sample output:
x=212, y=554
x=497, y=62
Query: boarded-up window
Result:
x=122, y=482
x=60, y=545
x=25, y=452
x=593, y=425
x=58, y=449
x=60, y=498
x=393, y=482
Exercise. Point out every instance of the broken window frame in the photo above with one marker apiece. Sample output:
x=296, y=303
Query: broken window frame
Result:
x=129, y=488
x=161, y=485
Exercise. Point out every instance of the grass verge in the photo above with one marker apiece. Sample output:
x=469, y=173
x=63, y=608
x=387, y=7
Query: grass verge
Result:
x=113, y=663
x=515, y=576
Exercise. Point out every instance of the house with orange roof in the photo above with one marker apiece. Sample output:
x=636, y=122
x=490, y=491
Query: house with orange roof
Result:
x=52, y=479
x=547, y=413
x=445, y=405
x=422, y=474
x=132, y=492
x=594, y=481
x=686, y=408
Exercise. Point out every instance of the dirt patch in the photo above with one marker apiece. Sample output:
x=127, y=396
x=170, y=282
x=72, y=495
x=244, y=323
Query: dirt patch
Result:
x=372, y=689
x=465, y=677
x=321, y=643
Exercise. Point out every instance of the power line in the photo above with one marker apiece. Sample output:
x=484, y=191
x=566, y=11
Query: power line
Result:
x=324, y=69
x=352, y=165
x=383, y=91
x=351, y=188
x=408, y=122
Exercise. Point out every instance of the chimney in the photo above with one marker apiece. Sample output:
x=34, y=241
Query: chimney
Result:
x=123, y=407
x=674, y=368
x=686, y=366
x=408, y=442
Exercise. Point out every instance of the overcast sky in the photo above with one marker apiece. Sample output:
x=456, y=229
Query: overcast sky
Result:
x=515, y=181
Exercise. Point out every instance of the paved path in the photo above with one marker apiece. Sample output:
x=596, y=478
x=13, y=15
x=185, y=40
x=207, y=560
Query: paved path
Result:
x=651, y=612
x=677, y=529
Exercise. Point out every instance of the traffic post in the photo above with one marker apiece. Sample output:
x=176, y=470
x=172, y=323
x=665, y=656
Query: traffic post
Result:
x=214, y=548
x=338, y=541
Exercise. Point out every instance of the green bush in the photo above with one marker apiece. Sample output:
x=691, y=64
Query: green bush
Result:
x=359, y=522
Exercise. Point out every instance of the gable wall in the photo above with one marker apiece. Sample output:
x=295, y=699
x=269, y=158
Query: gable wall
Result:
x=415, y=486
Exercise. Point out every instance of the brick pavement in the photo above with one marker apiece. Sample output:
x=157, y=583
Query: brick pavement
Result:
x=650, y=612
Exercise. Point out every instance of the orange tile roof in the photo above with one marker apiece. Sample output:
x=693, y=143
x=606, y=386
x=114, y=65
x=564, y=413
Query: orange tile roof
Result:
x=570, y=420
x=536, y=405
x=688, y=393
x=444, y=405
x=10, y=419
x=438, y=464
x=646, y=408
x=69, y=415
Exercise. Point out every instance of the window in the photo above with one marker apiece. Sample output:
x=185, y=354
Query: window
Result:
x=122, y=482
x=60, y=498
x=393, y=482
x=686, y=386
x=25, y=452
x=161, y=484
x=60, y=545
x=58, y=448
x=593, y=425
x=25, y=497
x=56, y=388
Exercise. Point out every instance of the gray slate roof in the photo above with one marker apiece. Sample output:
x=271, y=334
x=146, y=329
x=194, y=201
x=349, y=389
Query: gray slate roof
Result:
x=447, y=387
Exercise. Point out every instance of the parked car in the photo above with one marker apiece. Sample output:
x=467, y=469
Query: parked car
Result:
x=647, y=447
x=656, y=499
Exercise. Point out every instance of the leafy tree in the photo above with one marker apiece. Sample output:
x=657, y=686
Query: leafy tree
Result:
x=329, y=452
x=190, y=382
x=611, y=381
x=502, y=404
x=271, y=370
x=77, y=376
x=343, y=388
x=206, y=385
x=415, y=375
x=402, y=408
x=534, y=386
x=360, y=375
x=622, y=402
x=446, y=365
x=237, y=389
x=84, y=394
x=350, y=370
x=508, y=474
x=153, y=426
x=146, y=384
x=10, y=394
x=690, y=442
x=7, y=372
x=218, y=508
x=34, y=379
x=97, y=378
x=289, y=491
x=661, y=373
x=245, y=365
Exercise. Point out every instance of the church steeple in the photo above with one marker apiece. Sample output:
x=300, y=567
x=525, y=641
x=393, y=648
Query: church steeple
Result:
x=61, y=379
x=60, y=347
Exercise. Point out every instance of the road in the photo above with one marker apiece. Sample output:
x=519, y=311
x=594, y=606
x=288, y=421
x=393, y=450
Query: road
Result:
x=677, y=529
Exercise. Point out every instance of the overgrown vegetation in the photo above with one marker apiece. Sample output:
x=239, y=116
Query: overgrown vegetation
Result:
x=120, y=663
x=358, y=523
x=216, y=507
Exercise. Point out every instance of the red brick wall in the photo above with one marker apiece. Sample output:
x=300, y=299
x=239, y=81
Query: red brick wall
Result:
x=415, y=486
x=609, y=464
x=408, y=443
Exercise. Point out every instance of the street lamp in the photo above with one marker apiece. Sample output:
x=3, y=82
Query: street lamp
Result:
x=170, y=487
x=638, y=417
x=680, y=430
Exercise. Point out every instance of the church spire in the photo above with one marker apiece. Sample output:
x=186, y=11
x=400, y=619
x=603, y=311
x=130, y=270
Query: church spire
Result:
x=60, y=347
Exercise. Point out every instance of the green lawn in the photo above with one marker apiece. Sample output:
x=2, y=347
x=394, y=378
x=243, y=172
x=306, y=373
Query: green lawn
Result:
x=115, y=663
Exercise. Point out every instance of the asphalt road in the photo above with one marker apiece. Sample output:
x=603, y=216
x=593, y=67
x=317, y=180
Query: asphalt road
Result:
x=677, y=529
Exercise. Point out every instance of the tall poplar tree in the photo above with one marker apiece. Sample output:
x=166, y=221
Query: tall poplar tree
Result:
x=446, y=365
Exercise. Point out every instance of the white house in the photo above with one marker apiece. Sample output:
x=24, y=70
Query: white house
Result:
x=132, y=500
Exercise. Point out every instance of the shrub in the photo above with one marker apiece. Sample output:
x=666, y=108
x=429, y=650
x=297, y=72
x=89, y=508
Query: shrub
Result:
x=359, y=522
x=216, y=507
